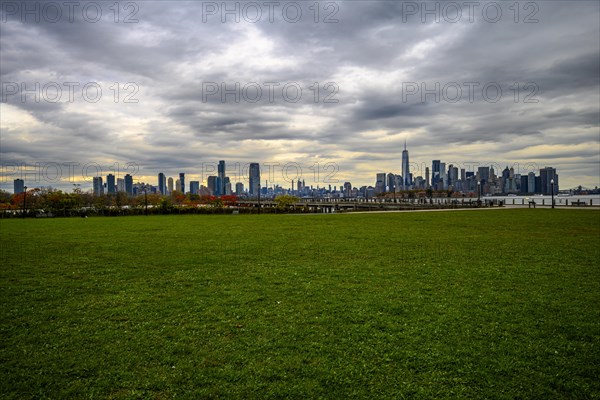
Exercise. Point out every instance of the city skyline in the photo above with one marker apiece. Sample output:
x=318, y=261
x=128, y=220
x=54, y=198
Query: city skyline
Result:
x=393, y=76
x=463, y=178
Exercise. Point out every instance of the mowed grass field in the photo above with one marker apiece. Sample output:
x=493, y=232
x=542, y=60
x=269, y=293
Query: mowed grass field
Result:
x=498, y=304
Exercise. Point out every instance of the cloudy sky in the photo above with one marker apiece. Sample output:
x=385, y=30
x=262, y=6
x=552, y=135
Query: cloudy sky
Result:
x=183, y=85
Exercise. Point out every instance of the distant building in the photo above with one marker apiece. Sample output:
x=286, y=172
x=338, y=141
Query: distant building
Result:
x=546, y=176
x=194, y=187
x=120, y=185
x=111, y=188
x=19, y=186
x=98, y=186
x=347, y=189
x=220, y=190
x=531, y=185
x=391, y=182
x=483, y=175
x=524, y=184
x=129, y=184
x=181, y=186
x=452, y=175
x=436, y=173
x=406, y=183
x=254, y=179
x=212, y=185
x=162, y=183
x=170, y=185
x=380, y=183
x=239, y=188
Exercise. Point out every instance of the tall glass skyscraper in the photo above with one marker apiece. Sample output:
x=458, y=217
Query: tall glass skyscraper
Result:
x=110, y=184
x=162, y=183
x=254, y=178
x=221, y=179
x=405, y=169
x=129, y=184
x=181, y=182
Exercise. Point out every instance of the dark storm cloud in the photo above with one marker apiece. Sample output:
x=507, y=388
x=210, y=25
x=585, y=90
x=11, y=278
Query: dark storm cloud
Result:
x=373, y=49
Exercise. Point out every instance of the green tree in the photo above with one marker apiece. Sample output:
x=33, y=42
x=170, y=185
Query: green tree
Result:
x=285, y=202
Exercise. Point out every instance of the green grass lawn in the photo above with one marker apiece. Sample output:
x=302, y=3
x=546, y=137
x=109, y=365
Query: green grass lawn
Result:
x=465, y=304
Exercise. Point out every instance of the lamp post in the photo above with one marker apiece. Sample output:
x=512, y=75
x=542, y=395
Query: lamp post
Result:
x=24, y=199
x=478, y=192
x=552, y=188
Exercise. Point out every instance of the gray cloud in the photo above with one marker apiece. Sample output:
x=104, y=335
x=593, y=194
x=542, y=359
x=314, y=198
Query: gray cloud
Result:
x=374, y=48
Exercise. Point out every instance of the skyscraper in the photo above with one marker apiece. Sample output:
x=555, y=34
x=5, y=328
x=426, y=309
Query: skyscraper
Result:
x=452, y=175
x=436, y=174
x=110, y=184
x=405, y=169
x=170, y=185
x=221, y=179
x=546, y=176
x=484, y=174
x=129, y=184
x=212, y=184
x=380, y=183
x=254, y=178
x=19, y=186
x=531, y=183
x=194, y=187
x=98, y=187
x=391, y=182
x=239, y=188
x=162, y=184
x=182, y=182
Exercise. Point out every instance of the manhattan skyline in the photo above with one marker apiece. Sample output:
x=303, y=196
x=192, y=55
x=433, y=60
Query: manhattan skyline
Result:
x=377, y=59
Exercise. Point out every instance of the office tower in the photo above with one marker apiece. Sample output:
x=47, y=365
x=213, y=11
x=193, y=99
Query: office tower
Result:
x=380, y=183
x=170, y=185
x=524, y=184
x=194, y=187
x=19, y=186
x=221, y=178
x=405, y=169
x=427, y=182
x=212, y=185
x=181, y=186
x=254, y=179
x=110, y=184
x=484, y=175
x=463, y=174
x=177, y=185
x=162, y=184
x=546, y=176
x=98, y=187
x=452, y=175
x=436, y=174
x=120, y=185
x=239, y=188
x=347, y=189
x=531, y=188
x=391, y=182
x=227, y=190
x=129, y=184
x=443, y=182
